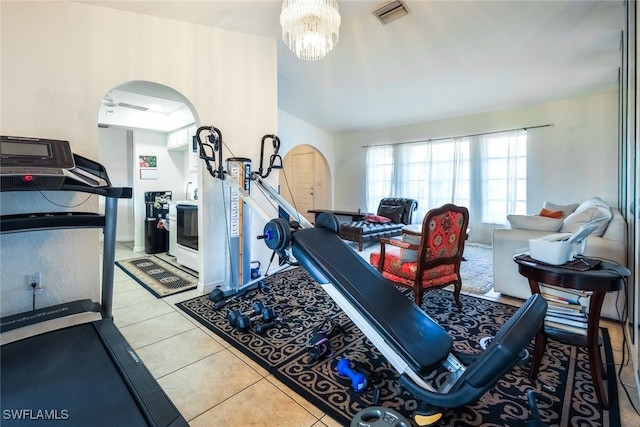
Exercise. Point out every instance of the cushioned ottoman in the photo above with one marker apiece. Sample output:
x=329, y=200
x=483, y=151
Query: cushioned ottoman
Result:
x=398, y=210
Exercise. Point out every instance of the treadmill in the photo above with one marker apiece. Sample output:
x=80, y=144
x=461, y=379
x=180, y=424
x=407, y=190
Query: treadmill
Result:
x=68, y=364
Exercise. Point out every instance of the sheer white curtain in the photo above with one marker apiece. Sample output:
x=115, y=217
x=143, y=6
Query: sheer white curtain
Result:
x=486, y=173
x=504, y=175
x=379, y=175
x=433, y=173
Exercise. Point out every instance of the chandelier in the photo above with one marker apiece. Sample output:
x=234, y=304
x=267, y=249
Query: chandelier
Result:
x=310, y=27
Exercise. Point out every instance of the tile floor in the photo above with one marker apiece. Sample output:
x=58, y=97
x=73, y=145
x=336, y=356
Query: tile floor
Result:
x=211, y=383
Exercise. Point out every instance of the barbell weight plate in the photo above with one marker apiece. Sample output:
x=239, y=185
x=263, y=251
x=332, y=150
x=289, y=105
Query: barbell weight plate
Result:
x=329, y=221
x=277, y=234
x=379, y=416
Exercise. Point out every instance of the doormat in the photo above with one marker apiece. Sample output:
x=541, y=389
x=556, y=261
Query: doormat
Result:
x=157, y=276
x=302, y=304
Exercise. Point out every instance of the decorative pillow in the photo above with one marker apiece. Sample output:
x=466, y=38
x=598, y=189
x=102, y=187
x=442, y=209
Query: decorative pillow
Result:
x=566, y=209
x=409, y=255
x=550, y=214
x=534, y=222
x=588, y=211
x=376, y=219
x=394, y=213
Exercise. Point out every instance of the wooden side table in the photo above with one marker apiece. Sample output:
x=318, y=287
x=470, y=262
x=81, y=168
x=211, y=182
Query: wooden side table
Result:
x=606, y=277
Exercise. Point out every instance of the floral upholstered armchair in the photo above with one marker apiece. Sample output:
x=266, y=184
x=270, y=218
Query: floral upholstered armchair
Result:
x=433, y=259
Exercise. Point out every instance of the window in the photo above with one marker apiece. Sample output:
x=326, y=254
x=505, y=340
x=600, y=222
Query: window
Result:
x=485, y=173
x=505, y=179
x=379, y=174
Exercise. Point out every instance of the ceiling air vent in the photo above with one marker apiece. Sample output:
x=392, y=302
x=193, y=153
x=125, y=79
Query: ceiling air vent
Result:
x=391, y=11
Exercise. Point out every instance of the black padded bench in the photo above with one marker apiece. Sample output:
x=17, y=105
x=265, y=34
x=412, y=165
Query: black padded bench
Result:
x=412, y=342
x=399, y=210
x=423, y=343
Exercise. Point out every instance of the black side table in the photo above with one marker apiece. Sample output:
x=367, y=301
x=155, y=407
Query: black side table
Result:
x=355, y=216
x=606, y=277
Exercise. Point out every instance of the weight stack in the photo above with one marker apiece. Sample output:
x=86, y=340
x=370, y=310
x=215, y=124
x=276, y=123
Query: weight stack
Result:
x=239, y=170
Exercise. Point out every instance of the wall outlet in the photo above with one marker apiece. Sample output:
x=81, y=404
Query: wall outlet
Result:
x=37, y=279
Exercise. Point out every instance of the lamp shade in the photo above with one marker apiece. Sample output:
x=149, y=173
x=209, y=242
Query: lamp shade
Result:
x=310, y=27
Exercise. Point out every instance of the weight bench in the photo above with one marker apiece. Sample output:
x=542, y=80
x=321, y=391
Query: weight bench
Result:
x=412, y=342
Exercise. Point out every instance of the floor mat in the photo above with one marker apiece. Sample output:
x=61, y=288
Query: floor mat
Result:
x=158, y=276
x=302, y=305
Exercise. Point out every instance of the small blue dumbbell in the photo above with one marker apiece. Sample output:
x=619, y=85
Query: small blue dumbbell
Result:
x=358, y=380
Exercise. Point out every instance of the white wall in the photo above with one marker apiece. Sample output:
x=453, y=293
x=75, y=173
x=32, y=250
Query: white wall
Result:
x=294, y=132
x=115, y=154
x=58, y=61
x=572, y=160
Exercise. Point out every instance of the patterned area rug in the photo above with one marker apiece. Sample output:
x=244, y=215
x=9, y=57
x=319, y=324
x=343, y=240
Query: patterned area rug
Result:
x=302, y=304
x=158, y=276
x=476, y=270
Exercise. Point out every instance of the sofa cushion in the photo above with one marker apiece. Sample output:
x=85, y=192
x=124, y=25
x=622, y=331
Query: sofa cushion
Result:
x=589, y=210
x=394, y=213
x=534, y=222
x=617, y=228
x=566, y=209
x=377, y=219
x=550, y=214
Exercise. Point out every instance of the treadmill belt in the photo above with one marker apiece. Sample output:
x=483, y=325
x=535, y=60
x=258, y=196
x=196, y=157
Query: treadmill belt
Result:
x=64, y=377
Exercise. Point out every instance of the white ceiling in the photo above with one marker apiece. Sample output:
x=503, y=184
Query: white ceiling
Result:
x=444, y=59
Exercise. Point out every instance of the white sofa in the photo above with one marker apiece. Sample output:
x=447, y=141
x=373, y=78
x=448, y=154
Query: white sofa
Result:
x=610, y=243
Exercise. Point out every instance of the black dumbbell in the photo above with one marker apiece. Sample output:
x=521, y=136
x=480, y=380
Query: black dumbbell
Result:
x=234, y=315
x=243, y=320
x=244, y=323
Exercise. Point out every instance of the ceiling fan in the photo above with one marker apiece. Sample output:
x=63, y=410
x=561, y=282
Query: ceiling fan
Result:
x=111, y=103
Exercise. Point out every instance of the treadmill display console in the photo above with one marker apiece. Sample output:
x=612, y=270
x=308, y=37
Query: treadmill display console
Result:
x=34, y=163
x=21, y=152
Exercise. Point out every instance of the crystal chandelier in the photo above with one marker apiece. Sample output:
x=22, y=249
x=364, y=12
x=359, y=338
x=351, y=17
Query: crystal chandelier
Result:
x=310, y=27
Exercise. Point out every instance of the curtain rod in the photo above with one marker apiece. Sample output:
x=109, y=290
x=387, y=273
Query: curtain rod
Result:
x=459, y=136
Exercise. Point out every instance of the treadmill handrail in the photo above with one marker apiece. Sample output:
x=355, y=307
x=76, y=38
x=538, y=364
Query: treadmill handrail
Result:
x=50, y=221
x=84, y=171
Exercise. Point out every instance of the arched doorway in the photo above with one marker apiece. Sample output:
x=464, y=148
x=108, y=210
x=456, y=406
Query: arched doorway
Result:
x=145, y=119
x=305, y=180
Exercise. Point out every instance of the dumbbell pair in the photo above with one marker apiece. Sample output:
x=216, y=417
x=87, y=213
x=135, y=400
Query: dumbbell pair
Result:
x=243, y=321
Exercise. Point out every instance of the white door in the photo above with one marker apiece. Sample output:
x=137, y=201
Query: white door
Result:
x=302, y=185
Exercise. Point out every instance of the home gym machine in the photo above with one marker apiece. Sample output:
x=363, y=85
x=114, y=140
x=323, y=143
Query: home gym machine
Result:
x=413, y=343
x=69, y=362
x=237, y=179
x=405, y=335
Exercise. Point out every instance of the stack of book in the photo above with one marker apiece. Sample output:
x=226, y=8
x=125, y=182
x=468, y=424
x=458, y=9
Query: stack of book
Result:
x=564, y=311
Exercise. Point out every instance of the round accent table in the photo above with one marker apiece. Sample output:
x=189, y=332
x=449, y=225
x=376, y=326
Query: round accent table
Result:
x=605, y=277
